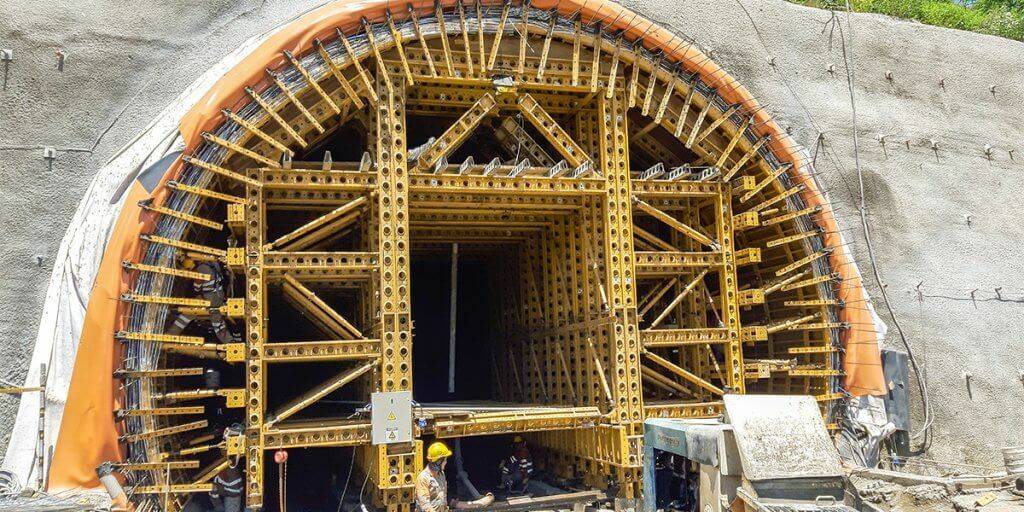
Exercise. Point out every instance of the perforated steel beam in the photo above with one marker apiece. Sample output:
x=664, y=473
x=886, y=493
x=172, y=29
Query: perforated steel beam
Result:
x=457, y=133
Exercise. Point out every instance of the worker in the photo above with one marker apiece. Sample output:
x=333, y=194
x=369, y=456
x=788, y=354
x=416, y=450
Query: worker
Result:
x=517, y=468
x=213, y=288
x=229, y=482
x=431, y=485
x=214, y=292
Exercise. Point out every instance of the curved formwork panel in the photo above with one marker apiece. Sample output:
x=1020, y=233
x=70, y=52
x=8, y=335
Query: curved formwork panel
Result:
x=640, y=237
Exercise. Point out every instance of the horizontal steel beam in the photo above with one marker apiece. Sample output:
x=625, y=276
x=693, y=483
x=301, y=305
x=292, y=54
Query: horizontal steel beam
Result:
x=317, y=434
x=173, y=489
x=518, y=421
x=471, y=181
x=320, y=266
x=675, y=189
x=497, y=184
x=661, y=338
x=333, y=350
x=683, y=409
x=665, y=263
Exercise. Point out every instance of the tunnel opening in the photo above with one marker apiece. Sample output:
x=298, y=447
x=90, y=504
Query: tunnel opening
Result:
x=505, y=284
x=503, y=367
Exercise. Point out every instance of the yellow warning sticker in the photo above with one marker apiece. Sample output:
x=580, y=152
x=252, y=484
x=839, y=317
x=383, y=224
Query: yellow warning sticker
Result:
x=391, y=416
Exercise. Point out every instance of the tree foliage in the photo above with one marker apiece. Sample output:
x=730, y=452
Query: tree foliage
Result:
x=1003, y=18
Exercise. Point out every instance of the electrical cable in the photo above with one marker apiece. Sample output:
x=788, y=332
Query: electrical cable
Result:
x=849, y=63
x=833, y=158
x=10, y=485
x=830, y=152
x=351, y=465
x=363, y=488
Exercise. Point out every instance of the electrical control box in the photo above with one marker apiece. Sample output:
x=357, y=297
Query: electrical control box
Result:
x=391, y=417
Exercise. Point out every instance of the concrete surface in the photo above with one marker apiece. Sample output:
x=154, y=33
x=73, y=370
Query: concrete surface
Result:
x=944, y=222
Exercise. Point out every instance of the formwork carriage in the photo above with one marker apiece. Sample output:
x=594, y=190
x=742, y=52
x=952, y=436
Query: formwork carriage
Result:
x=627, y=246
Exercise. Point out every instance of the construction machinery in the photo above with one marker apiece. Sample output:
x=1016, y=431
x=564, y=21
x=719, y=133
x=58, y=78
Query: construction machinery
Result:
x=768, y=453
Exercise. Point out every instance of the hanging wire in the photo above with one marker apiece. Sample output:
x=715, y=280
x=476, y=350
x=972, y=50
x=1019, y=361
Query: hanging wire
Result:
x=849, y=63
x=351, y=465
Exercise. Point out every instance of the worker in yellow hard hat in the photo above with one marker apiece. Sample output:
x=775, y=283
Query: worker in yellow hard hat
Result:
x=431, y=485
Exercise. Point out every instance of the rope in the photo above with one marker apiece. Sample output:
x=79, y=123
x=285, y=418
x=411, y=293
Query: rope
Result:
x=282, y=472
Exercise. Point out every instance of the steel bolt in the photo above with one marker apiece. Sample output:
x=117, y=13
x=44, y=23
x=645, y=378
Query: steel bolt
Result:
x=6, y=56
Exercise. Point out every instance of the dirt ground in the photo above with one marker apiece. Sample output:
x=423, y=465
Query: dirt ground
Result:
x=929, y=497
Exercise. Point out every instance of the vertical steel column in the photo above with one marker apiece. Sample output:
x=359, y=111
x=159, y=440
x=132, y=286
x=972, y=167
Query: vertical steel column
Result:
x=729, y=292
x=595, y=449
x=396, y=467
x=255, y=335
x=614, y=162
x=393, y=235
x=625, y=345
x=695, y=305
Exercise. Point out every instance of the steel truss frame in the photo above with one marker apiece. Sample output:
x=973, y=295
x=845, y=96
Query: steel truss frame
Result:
x=635, y=294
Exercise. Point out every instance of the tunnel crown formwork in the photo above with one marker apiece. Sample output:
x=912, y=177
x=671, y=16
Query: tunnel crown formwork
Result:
x=645, y=250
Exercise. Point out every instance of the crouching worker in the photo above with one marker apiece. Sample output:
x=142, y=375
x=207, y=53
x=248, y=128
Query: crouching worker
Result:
x=517, y=468
x=431, y=485
x=229, y=482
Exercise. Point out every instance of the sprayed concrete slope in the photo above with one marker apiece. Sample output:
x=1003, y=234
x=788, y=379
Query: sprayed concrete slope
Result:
x=946, y=219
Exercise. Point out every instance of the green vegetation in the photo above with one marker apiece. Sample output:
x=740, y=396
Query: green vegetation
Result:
x=1003, y=18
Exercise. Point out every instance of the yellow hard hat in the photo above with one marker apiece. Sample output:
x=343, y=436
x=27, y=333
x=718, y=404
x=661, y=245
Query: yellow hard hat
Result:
x=438, y=450
x=188, y=263
x=517, y=439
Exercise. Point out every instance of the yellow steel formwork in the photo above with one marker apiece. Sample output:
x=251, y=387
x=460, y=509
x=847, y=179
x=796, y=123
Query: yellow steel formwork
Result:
x=626, y=290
